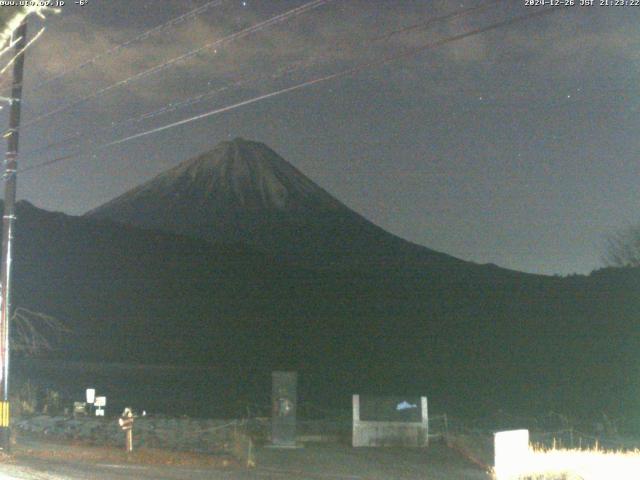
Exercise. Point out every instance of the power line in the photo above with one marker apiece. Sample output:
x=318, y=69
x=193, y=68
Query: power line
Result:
x=308, y=83
x=21, y=52
x=430, y=21
x=173, y=106
x=343, y=73
x=143, y=36
x=168, y=108
x=158, y=68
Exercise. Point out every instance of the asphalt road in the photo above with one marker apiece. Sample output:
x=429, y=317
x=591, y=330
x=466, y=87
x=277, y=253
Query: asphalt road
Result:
x=314, y=462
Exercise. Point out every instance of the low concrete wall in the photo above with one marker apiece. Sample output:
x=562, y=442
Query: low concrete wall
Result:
x=188, y=434
x=376, y=433
x=387, y=434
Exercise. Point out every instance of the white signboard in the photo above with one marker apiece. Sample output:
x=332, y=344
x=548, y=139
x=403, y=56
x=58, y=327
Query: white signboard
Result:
x=91, y=395
x=101, y=402
x=99, y=412
x=397, y=422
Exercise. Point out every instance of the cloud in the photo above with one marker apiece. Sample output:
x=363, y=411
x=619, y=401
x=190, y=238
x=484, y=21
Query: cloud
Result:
x=324, y=40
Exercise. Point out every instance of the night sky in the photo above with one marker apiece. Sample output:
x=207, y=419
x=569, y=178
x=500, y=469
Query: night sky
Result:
x=517, y=147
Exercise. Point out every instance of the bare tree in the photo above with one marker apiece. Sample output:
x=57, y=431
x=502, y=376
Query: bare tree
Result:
x=623, y=248
x=35, y=332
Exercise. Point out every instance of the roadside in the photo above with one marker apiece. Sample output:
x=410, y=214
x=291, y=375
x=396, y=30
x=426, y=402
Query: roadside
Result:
x=39, y=460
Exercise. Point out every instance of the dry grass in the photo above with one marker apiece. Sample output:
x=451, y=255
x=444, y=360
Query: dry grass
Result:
x=76, y=451
x=566, y=464
x=141, y=456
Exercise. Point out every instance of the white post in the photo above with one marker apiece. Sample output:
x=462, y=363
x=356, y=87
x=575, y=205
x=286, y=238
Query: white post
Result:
x=425, y=419
x=511, y=454
x=356, y=421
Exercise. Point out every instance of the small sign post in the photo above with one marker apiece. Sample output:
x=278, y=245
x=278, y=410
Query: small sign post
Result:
x=100, y=403
x=91, y=398
x=126, y=423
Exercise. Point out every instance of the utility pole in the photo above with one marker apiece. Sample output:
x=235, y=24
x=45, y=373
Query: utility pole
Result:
x=8, y=220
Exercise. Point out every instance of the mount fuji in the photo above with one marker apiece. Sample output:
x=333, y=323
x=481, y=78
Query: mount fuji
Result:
x=242, y=191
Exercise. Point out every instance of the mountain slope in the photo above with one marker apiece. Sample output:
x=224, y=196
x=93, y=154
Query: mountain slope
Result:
x=396, y=317
x=235, y=176
x=243, y=191
x=472, y=342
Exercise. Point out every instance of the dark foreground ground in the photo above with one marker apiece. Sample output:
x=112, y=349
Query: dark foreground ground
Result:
x=315, y=461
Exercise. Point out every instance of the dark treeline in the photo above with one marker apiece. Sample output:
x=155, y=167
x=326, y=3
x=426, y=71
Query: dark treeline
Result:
x=474, y=338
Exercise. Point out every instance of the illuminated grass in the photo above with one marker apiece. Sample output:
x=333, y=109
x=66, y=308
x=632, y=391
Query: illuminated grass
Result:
x=595, y=464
